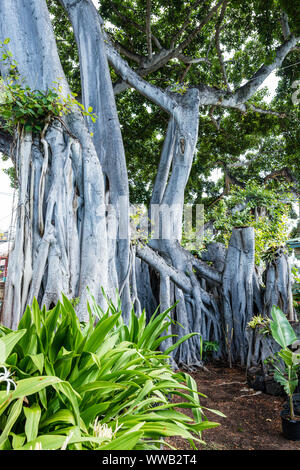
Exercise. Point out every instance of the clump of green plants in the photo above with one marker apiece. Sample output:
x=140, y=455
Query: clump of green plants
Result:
x=196, y=242
x=31, y=109
x=100, y=384
x=208, y=348
x=177, y=86
x=265, y=209
x=286, y=374
x=140, y=225
x=260, y=322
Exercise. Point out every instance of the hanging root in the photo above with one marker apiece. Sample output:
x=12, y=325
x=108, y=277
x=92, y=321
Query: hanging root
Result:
x=43, y=177
x=196, y=311
x=17, y=268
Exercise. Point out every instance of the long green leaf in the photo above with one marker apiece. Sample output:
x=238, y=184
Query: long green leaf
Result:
x=61, y=416
x=181, y=340
x=281, y=329
x=101, y=385
x=101, y=330
x=27, y=387
x=8, y=342
x=126, y=442
x=12, y=418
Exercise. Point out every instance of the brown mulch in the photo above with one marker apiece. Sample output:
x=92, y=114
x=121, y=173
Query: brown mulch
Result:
x=252, y=419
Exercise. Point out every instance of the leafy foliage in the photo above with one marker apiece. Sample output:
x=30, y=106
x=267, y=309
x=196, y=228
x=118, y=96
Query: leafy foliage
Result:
x=264, y=208
x=208, y=348
x=260, y=322
x=32, y=108
x=249, y=34
x=81, y=386
x=284, y=335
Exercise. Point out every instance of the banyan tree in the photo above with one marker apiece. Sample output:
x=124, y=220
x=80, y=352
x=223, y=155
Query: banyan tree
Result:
x=73, y=215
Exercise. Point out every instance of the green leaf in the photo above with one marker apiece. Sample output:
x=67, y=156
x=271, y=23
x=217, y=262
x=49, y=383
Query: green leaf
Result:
x=101, y=385
x=36, y=316
x=18, y=440
x=72, y=396
x=181, y=340
x=25, y=321
x=12, y=418
x=102, y=328
x=38, y=360
x=47, y=442
x=61, y=416
x=287, y=356
x=8, y=342
x=33, y=415
x=281, y=329
x=27, y=387
x=91, y=412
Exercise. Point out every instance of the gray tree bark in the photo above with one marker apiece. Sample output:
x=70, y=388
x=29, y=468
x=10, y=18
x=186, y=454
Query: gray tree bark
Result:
x=73, y=190
x=61, y=240
x=237, y=291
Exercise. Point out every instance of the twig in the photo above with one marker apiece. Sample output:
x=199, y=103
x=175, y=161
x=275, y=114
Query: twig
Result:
x=148, y=28
x=218, y=47
x=246, y=395
x=229, y=383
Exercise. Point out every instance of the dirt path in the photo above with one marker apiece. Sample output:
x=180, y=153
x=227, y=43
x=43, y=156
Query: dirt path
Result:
x=252, y=420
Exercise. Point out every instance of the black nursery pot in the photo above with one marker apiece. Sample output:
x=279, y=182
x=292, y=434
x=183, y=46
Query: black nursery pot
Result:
x=290, y=428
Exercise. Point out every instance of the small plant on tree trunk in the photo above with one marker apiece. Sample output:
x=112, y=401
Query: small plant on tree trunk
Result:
x=32, y=109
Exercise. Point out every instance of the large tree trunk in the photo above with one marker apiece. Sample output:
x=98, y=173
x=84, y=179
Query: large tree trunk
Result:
x=237, y=291
x=278, y=291
x=62, y=242
x=97, y=92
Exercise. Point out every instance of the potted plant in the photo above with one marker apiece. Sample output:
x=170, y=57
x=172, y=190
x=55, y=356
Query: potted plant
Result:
x=286, y=364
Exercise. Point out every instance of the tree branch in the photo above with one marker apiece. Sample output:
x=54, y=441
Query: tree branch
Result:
x=126, y=20
x=284, y=172
x=285, y=25
x=197, y=30
x=190, y=60
x=237, y=99
x=129, y=76
x=150, y=256
x=185, y=24
x=218, y=47
x=123, y=50
x=242, y=94
x=148, y=28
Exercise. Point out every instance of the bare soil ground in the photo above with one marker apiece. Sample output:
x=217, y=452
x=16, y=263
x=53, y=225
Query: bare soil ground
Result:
x=252, y=418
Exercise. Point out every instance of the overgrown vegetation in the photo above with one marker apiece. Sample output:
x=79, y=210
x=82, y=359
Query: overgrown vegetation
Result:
x=32, y=109
x=285, y=336
x=267, y=209
x=78, y=386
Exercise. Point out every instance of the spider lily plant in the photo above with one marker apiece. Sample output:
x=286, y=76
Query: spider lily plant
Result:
x=83, y=387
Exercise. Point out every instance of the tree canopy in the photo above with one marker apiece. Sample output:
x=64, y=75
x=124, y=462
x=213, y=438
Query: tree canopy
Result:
x=180, y=45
